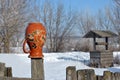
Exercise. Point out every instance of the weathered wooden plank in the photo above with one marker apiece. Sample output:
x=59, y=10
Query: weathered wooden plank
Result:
x=8, y=72
x=71, y=73
x=112, y=76
x=117, y=76
x=87, y=74
x=15, y=78
x=37, y=68
x=99, y=77
x=81, y=75
x=101, y=43
x=2, y=69
x=107, y=75
x=106, y=56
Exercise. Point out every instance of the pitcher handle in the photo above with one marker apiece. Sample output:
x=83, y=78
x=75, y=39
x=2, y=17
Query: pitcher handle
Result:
x=24, y=48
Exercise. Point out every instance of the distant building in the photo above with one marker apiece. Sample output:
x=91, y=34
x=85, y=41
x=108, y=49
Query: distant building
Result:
x=100, y=58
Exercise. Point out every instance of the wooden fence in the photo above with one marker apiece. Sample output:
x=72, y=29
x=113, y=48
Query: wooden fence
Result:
x=89, y=74
x=13, y=78
x=6, y=72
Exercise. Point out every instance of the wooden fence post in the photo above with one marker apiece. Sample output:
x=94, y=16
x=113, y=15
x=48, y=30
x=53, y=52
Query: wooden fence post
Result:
x=80, y=75
x=117, y=76
x=86, y=74
x=2, y=69
x=37, y=68
x=107, y=75
x=112, y=76
x=71, y=73
x=99, y=77
x=8, y=72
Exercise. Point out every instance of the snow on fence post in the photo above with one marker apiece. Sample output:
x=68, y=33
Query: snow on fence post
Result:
x=37, y=68
x=71, y=73
x=107, y=75
x=2, y=69
x=86, y=74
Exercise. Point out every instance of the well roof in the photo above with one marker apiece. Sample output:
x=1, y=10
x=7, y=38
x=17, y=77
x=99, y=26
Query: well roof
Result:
x=99, y=34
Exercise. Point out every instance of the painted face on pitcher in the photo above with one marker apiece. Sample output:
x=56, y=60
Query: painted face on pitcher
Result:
x=37, y=37
x=30, y=37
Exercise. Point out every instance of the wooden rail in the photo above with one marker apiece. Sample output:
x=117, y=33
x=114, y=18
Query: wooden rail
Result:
x=101, y=43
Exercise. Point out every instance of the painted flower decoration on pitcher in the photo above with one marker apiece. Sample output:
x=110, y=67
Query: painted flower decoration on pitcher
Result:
x=38, y=38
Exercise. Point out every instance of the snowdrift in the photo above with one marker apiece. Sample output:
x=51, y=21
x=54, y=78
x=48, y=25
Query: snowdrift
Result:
x=54, y=64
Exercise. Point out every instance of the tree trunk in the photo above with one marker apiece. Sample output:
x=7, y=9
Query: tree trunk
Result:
x=6, y=46
x=0, y=50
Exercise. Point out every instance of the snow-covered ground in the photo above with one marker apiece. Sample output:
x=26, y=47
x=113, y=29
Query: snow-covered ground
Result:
x=54, y=64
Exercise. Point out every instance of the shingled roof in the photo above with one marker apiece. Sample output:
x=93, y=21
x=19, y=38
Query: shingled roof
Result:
x=99, y=34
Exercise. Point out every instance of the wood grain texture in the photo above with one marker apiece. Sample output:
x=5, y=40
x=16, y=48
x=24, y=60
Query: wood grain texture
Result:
x=37, y=68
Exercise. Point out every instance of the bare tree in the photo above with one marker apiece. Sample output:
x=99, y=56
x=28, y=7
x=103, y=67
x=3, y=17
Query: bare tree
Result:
x=103, y=19
x=58, y=23
x=13, y=14
x=116, y=18
x=116, y=15
x=112, y=19
x=86, y=22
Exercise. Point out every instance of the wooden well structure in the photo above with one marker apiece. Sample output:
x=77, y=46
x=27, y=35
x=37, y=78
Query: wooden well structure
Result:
x=100, y=58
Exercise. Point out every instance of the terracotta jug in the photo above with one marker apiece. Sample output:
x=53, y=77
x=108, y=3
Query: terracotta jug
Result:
x=35, y=37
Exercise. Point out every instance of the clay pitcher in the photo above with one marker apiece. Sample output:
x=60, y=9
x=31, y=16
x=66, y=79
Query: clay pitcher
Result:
x=35, y=37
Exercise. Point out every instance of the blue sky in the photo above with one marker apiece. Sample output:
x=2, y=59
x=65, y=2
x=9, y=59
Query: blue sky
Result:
x=91, y=5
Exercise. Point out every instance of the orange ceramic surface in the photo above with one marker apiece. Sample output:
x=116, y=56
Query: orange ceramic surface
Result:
x=35, y=37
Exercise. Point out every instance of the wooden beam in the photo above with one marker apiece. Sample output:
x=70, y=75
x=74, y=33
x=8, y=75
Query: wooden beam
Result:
x=37, y=68
x=94, y=40
x=101, y=43
x=8, y=72
x=106, y=40
x=2, y=69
